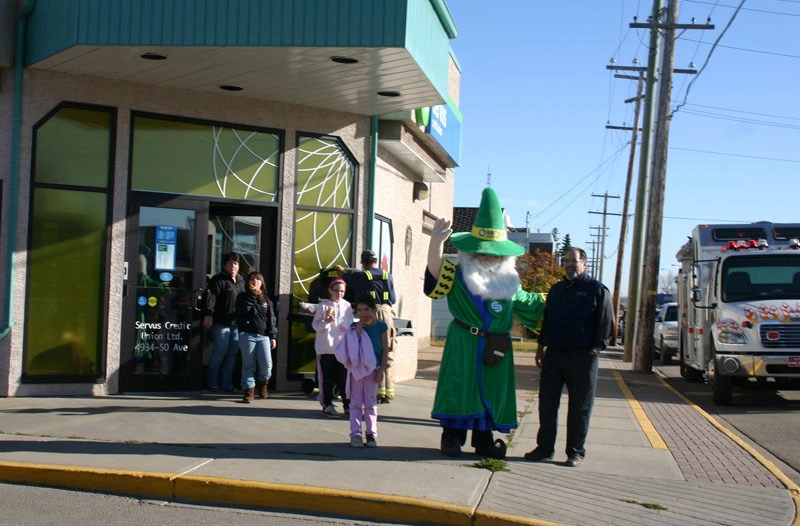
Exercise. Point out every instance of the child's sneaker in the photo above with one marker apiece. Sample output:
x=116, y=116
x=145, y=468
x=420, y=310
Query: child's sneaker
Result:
x=356, y=441
x=330, y=411
x=371, y=441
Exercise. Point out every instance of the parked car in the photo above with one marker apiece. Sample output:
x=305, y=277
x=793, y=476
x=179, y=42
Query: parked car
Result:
x=621, y=334
x=665, y=334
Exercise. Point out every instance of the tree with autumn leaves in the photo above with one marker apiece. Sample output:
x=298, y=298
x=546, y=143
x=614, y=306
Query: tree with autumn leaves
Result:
x=538, y=271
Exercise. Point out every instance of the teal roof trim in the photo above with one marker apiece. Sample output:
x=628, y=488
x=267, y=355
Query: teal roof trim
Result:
x=59, y=24
x=422, y=27
x=443, y=12
x=428, y=43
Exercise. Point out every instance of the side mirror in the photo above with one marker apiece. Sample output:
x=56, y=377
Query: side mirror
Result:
x=697, y=295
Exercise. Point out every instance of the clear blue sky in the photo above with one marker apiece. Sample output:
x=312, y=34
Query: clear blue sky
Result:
x=536, y=96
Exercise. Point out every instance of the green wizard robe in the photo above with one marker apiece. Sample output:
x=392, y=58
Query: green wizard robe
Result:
x=469, y=393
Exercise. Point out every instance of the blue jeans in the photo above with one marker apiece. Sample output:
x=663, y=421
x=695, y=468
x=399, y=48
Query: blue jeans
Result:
x=223, y=357
x=256, y=358
x=578, y=371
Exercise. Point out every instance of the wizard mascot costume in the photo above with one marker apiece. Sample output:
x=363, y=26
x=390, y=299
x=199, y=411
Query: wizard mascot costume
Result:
x=476, y=389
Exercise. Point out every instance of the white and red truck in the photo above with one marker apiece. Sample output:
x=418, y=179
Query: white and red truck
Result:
x=739, y=307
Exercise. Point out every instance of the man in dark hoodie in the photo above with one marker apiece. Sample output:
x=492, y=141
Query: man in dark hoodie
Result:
x=219, y=307
x=578, y=323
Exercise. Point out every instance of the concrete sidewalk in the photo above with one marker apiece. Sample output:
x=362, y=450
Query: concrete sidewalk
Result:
x=651, y=457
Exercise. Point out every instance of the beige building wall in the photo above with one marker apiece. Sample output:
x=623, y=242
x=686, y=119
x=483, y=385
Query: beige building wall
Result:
x=411, y=220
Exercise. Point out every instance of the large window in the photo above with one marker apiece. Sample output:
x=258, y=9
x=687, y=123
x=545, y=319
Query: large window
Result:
x=324, y=221
x=192, y=158
x=324, y=198
x=383, y=241
x=67, y=256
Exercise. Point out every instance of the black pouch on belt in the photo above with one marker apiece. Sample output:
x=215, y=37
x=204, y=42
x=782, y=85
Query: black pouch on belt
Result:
x=497, y=345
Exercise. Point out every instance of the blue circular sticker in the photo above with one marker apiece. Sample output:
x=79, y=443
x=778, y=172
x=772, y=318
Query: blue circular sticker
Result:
x=142, y=301
x=166, y=277
x=496, y=306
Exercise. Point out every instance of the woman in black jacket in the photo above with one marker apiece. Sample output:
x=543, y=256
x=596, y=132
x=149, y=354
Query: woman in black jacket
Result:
x=255, y=317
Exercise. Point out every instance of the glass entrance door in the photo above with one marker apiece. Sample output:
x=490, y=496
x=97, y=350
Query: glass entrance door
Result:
x=162, y=346
x=174, y=246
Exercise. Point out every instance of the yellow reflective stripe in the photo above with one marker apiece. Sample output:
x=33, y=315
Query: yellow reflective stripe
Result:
x=385, y=277
x=372, y=294
x=447, y=276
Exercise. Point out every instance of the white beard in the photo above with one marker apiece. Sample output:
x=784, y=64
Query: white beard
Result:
x=489, y=282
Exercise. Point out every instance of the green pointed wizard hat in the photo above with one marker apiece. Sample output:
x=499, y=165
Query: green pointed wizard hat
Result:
x=488, y=234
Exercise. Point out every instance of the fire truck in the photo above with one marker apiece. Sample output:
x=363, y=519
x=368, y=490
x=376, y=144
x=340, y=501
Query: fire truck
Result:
x=739, y=307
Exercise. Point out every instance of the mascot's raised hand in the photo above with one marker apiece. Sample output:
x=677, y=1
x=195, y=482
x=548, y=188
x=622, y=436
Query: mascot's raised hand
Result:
x=441, y=231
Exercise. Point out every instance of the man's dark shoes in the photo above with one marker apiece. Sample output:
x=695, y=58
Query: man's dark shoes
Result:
x=537, y=455
x=574, y=461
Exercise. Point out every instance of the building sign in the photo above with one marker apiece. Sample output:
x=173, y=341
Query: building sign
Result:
x=166, y=238
x=445, y=126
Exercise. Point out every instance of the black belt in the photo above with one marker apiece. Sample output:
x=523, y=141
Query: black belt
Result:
x=563, y=349
x=472, y=330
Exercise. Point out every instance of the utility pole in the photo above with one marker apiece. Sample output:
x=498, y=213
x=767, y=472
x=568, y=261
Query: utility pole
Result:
x=655, y=217
x=591, y=262
x=641, y=187
x=599, y=235
x=605, y=213
x=623, y=227
x=643, y=361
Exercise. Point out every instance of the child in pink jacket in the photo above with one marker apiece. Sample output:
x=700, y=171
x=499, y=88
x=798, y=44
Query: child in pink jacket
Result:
x=360, y=351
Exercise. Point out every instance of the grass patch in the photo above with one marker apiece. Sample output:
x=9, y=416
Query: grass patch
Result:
x=492, y=464
x=648, y=505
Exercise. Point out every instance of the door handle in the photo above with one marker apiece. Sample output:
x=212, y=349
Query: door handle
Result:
x=197, y=297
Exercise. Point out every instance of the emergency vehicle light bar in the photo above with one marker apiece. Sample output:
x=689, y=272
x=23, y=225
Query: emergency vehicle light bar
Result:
x=743, y=244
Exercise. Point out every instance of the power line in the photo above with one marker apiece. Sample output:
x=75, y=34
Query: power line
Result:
x=715, y=4
x=745, y=111
x=598, y=167
x=736, y=155
x=708, y=219
x=708, y=58
x=742, y=119
x=774, y=53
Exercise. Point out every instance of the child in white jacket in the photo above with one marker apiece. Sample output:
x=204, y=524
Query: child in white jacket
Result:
x=331, y=320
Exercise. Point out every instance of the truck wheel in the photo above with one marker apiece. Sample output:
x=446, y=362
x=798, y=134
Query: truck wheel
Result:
x=689, y=373
x=666, y=359
x=721, y=386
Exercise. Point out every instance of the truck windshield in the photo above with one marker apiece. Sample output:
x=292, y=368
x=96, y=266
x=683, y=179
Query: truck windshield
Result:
x=761, y=277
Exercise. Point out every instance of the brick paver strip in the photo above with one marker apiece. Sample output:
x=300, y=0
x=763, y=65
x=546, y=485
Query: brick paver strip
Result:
x=702, y=452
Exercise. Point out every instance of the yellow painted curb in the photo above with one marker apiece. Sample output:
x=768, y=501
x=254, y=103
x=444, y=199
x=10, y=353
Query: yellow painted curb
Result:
x=307, y=499
x=154, y=485
x=355, y=504
x=491, y=518
x=656, y=442
x=793, y=488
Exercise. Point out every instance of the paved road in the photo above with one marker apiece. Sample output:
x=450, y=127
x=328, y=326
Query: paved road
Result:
x=769, y=419
x=56, y=507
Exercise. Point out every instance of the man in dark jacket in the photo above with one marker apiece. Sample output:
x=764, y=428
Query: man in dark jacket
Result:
x=220, y=316
x=578, y=323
